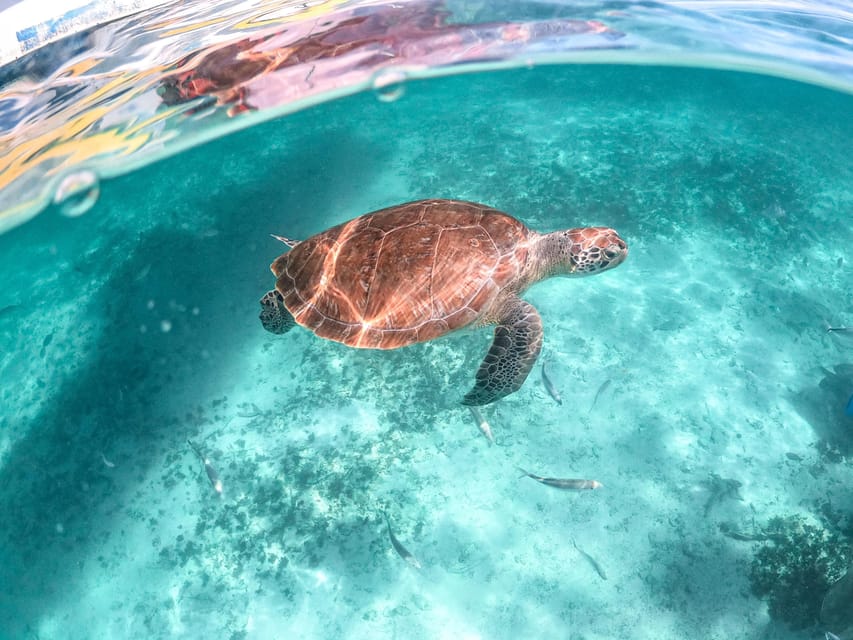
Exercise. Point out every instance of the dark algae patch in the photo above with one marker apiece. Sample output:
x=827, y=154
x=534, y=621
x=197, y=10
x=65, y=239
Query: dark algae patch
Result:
x=794, y=572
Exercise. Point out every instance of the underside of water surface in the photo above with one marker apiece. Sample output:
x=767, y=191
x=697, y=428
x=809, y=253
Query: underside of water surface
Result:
x=699, y=383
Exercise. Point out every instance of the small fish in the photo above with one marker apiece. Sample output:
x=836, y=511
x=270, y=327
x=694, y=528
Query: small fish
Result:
x=739, y=535
x=828, y=635
x=107, y=462
x=604, y=386
x=252, y=412
x=839, y=329
x=8, y=309
x=398, y=546
x=727, y=529
x=598, y=569
x=549, y=386
x=215, y=482
x=143, y=272
x=482, y=424
x=569, y=484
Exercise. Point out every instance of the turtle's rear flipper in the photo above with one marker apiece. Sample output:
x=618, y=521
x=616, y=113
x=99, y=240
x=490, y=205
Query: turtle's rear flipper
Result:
x=516, y=345
x=274, y=316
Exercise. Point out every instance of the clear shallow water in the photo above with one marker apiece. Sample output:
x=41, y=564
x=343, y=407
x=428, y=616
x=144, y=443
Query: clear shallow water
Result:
x=133, y=327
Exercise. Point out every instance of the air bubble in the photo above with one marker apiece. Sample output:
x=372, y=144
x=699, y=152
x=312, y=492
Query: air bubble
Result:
x=77, y=193
x=389, y=85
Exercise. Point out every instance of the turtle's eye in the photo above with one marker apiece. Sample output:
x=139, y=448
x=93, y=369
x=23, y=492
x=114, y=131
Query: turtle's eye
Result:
x=610, y=253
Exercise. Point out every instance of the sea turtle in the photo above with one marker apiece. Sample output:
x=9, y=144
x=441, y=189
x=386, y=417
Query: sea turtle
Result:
x=419, y=270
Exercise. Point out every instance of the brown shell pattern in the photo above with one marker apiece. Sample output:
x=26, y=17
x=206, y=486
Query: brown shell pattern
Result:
x=401, y=275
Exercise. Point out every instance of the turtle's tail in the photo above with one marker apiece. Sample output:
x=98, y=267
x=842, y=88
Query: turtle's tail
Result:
x=290, y=243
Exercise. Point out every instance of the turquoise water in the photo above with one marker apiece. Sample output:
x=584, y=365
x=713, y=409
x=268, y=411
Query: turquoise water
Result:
x=134, y=327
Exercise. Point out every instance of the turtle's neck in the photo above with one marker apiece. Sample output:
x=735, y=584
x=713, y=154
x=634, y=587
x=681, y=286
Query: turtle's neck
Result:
x=549, y=254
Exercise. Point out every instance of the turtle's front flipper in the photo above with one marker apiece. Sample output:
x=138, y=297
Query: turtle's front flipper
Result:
x=517, y=342
x=274, y=316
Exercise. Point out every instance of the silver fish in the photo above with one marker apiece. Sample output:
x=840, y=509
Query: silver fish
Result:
x=253, y=412
x=482, y=425
x=727, y=529
x=143, y=272
x=598, y=568
x=839, y=330
x=570, y=484
x=601, y=389
x=549, y=386
x=404, y=553
x=215, y=482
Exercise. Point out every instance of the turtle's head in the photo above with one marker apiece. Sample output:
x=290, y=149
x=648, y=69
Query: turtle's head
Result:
x=589, y=250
